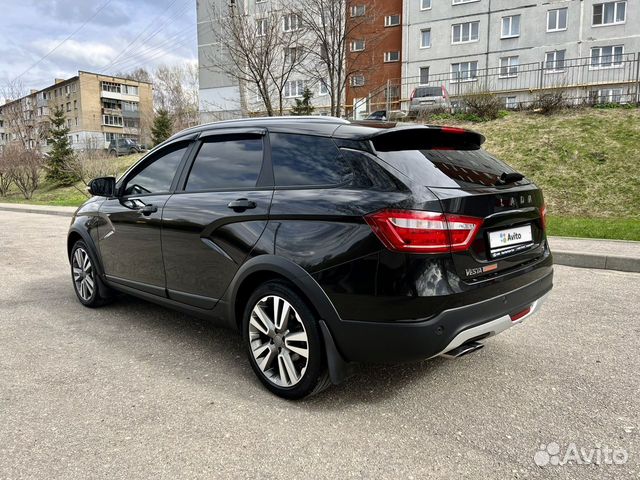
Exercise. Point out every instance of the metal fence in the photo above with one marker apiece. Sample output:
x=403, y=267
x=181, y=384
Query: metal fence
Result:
x=588, y=80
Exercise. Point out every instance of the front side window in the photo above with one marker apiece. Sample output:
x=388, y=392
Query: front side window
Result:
x=305, y=160
x=609, y=13
x=465, y=32
x=231, y=162
x=157, y=176
x=511, y=26
x=607, y=57
x=557, y=19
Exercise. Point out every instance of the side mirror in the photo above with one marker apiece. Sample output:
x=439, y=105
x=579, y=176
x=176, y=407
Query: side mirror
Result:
x=103, y=186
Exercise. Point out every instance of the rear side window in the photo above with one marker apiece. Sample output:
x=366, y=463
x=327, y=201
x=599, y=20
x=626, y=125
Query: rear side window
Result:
x=226, y=163
x=448, y=168
x=305, y=160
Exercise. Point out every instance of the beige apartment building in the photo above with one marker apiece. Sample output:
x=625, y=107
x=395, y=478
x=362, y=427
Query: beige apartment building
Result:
x=98, y=108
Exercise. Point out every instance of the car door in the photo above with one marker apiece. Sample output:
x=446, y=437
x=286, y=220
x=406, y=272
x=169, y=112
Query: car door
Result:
x=217, y=214
x=129, y=237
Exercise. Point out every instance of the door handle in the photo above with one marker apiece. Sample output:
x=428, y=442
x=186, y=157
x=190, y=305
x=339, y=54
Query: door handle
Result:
x=148, y=210
x=242, y=204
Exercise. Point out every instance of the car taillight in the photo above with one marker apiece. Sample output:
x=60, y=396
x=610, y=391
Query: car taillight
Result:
x=423, y=232
x=543, y=217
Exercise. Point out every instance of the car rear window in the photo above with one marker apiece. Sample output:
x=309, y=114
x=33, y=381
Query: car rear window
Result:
x=449, y=168
x=428, y=92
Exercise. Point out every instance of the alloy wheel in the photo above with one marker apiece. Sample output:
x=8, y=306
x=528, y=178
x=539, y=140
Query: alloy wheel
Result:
x=83, y=274
x=278, y=341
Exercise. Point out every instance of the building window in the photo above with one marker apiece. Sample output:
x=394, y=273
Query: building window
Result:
x=129, y=106
x=76, y=121
x=291, y=22
x=357, y=80
x=557, y=19
x=130, y=89
x=554, y=61
x=464, y=71
x=77, y=138
x=75, y=104
x=68, y=106
x=607, y=57
x=425, y=38
x=425, y=4
x=609, y=13
x=456, y=2
x=112, y=120
x=511, y=103
x=509, y=67
x=290, y=55
x=294, y=88
x=392, y=20
x=606, y=95
x=323, y=88
x=107, y=87
x=357, y=45
x=465, y=32
x=68, y=123
x=510, y=26
x=358, y=10
x=391, y=57
x=424, y=75
x=261, y=24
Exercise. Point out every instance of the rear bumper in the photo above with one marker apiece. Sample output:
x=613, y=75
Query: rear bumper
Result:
x=377, y=342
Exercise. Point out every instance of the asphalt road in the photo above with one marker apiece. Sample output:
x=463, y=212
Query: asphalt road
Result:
x=133, y=390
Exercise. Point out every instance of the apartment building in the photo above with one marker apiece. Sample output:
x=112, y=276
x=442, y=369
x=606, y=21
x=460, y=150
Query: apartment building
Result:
x=519, y=46
x=97, y=108
x=375, y=55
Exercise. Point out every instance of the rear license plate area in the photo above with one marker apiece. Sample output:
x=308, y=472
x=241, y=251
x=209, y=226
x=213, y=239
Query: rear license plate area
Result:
x=509, y=241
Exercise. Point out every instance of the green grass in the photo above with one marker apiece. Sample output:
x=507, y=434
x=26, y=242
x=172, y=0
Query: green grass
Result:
x=611, y=228
x=72, y=196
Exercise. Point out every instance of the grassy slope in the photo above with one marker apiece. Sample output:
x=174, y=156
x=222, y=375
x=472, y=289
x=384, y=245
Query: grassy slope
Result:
x=587, y=162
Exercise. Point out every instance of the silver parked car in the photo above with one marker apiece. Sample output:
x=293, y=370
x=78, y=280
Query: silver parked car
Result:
x=424, y=99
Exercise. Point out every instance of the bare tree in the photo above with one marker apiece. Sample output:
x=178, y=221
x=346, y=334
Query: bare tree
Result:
x=260, y=51
x=90, y=162
x=333, y=26
x=19, y=114
x=26, y=171
x=6, y=173
x=175, y=89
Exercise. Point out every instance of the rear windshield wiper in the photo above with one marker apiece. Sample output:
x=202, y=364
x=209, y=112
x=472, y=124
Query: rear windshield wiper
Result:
x=507, y=178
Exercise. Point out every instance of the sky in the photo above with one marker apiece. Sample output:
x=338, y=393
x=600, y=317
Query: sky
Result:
x=123, y=35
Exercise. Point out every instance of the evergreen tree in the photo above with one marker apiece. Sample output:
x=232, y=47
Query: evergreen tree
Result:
x=303, y=106
x=61, y=155
x=162, y=127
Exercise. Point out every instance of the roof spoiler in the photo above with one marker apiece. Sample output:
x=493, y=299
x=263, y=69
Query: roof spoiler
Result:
x=426, y=138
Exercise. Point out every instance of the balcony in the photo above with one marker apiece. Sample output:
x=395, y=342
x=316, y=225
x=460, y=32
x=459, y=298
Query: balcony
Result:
x=112, y=111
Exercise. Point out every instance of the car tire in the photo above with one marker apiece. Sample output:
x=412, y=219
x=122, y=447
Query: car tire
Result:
x=279, y=329
x=86, y=282
x=113, y=153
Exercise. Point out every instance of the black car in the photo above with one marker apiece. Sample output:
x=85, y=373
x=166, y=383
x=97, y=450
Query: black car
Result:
x=325, y=243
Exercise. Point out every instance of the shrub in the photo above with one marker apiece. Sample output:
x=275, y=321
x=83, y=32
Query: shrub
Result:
x=548, y=103
x=483, y=105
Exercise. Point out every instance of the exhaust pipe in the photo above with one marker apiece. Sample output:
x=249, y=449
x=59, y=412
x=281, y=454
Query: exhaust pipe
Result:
x=463, y=350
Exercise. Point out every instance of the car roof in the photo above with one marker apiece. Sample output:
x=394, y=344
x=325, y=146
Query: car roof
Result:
x=312, y=125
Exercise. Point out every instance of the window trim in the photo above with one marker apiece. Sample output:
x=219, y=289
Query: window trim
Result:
x=615, y=2
x=387, y=56
x=511, y=35
x=463, y=80
x=508, y=67
x=554, y=70
x=387, y=20
x=470, y=23
x=552, y=30
x=422, y=30
x=609, y=67
x=422, y=9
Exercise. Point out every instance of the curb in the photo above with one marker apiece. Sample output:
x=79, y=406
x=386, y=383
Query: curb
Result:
x=43, y=211
x=560, y=257
x=602, y=262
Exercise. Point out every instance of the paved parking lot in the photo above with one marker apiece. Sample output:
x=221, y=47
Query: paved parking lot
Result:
x=133, y=390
